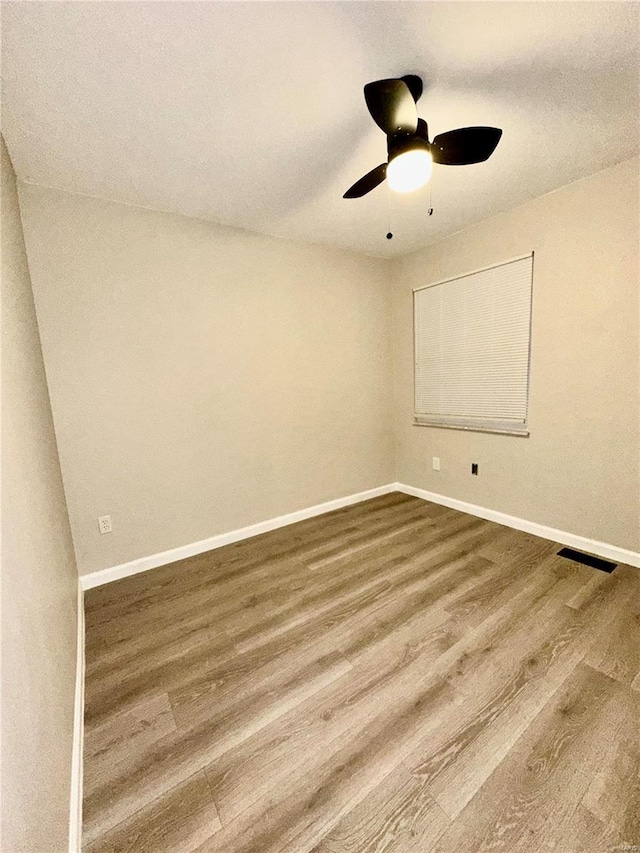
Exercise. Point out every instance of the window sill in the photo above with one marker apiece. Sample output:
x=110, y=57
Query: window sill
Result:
x=498, y=428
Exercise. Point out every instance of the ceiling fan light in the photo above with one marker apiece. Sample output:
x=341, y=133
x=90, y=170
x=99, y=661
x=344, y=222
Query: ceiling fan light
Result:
x=409, y=170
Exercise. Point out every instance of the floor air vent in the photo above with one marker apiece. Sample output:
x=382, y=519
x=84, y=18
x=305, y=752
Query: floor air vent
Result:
x=587, y=559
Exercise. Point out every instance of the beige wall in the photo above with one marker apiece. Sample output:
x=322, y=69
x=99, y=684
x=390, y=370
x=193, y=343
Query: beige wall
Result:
x=578, y=471
x=202, y=378
x=39, y=579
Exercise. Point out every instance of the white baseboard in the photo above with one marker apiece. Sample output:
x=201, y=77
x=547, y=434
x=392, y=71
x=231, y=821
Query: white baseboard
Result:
x=75, y=806
x=602, y=549
x=152, y=562
x=593, y=546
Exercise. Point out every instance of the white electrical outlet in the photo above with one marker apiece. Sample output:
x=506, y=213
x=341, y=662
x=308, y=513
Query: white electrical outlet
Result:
x=435, y=463
x=104, y=524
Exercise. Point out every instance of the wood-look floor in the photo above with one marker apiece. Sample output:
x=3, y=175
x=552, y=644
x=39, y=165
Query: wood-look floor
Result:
x=394, y=676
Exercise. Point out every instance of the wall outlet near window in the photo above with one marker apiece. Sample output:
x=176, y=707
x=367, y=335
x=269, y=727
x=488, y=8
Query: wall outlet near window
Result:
x=474, y=467
x=435, y=463
x=104, y=524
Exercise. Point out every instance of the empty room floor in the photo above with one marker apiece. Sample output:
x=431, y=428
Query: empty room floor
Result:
x=393, y=676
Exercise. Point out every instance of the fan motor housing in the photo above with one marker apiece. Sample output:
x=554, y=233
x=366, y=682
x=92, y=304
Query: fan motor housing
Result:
x=400, y=143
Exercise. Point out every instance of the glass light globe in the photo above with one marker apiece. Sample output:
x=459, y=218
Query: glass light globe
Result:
x=410, y=170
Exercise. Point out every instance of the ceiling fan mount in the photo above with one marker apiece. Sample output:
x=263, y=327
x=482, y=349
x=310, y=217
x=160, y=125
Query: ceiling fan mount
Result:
x=392, y=105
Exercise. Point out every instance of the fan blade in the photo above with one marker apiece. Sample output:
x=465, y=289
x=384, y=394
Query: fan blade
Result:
x=415, y=85
x=369, y=182
x=422, y=130
x=465, y=145
x=391, y=106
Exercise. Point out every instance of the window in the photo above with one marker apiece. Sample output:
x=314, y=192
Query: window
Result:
x=471, y=345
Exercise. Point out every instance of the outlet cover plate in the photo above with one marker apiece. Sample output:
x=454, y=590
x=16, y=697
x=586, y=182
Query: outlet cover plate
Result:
x=104, y=524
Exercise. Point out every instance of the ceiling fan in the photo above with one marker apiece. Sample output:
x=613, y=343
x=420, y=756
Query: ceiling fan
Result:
x=392, y=104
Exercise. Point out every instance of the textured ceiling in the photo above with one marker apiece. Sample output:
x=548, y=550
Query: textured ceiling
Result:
x=252, y=114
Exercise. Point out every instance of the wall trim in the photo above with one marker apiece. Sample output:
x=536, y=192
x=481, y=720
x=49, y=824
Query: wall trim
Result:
x=143, y=564
x=75, y=806
x=582, y=543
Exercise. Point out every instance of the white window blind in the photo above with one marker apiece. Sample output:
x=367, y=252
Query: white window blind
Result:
x=471, y=345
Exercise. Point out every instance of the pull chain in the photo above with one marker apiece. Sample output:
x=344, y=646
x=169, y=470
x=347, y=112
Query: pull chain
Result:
x=430, y=209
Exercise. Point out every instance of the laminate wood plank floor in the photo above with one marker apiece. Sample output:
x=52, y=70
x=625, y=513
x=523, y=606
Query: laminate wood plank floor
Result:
x=392, y=677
